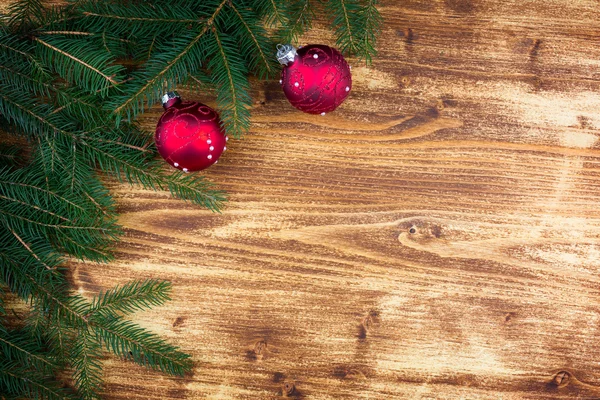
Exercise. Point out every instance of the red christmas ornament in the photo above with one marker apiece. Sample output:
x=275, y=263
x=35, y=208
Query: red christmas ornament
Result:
x=189, y=135
x=316, y=78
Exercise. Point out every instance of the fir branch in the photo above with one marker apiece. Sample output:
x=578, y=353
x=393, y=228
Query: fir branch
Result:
x=351, y=45
x=10, y=155
x=6, y=183
x=259, y=46
x=229, y=76
x=133, y=296
x=37, y=208
x=67, y=33
x=78, y=61
x=356, y=24
x=16, y=348
x=28, y=248
x=24, y=382
x=129, y=18
x=145, y=348
x=185, y=187
x=25, y=13
x=371, y=28
x=276, y=14
x=299, y=17
x=55, y=226
x=25, y=81
x=87, y=367
x=151, y=89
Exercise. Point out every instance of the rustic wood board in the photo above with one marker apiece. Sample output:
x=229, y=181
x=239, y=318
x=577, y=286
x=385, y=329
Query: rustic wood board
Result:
x=437, y=237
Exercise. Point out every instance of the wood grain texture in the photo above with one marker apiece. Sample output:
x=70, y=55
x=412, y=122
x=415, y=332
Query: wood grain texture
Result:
x=437, y=237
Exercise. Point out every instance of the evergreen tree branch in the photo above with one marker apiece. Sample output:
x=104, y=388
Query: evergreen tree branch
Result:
x=77, y=60
x=87, y=368
x=133, y=342
x=229, y=76
x=150, y=90
x=33, y=254
x=129, y=18
x=55, y=226
x=44, y=191
x=23, y=384
x=356, y=24
x=149, y=175
x=25, y=12
x=133, y=296
x=344, y=7
x=299, y=16
x=33, y=206
x=277, y=14
x=259, y=48
x=23, y=351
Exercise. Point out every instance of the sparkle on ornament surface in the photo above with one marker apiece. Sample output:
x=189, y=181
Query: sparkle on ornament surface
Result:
x=208, y=141
x=176, y=164
x=211, y=148
x=185, y=170
x=296, y=84
x=209, y=156
x=347, y=88
x=322, y=113
x=315, y=56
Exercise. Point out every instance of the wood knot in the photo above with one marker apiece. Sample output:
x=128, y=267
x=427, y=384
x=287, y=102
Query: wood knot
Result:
x=421, y=230
x=366, y=324
x=409, y=35
x=534, y=48
x=343, y=372
x=562, y=379
x=260, y=347
x=258, y=351
x=288, y=389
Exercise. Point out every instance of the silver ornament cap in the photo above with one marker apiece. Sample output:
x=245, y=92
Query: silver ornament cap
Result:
x=168, y=97
x=286, y=53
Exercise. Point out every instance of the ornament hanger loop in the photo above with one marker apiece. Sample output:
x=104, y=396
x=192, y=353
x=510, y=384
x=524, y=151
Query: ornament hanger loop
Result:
x=286, y=53
x=167, y=98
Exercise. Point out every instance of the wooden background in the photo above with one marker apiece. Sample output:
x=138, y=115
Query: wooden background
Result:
x=437, y=237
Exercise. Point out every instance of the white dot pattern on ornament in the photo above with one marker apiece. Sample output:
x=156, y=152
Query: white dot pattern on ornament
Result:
x=185, y=170
x=209, y=156
x=323, y=114
x=211, y=148
x=224, y=148
x=176, y=164
x=226, y=138
x=208, y=141
x=315, y=56
x=296, y=84
x=347, y=88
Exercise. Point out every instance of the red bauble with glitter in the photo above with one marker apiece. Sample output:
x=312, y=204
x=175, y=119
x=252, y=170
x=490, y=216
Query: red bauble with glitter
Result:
x=189, y=135
x=316, y=78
